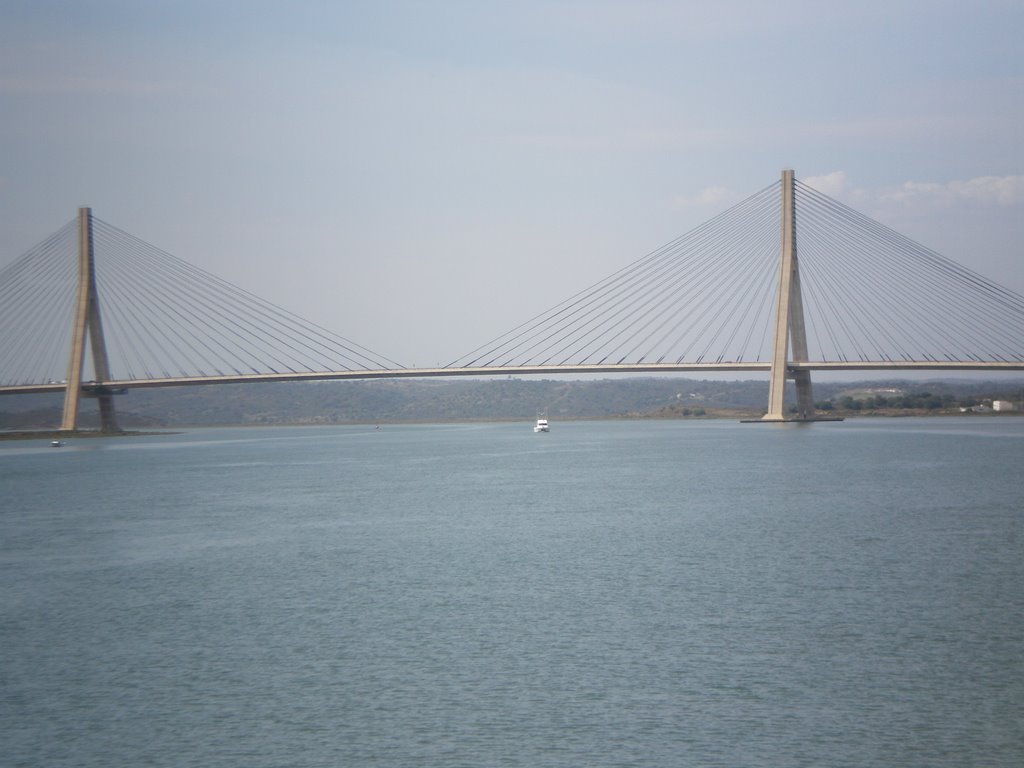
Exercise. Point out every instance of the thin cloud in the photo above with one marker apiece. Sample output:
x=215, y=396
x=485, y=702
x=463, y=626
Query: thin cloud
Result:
x=832, y=184
x=986, y=190
x=709, y=196
x=1000, y=191
x=990, y=191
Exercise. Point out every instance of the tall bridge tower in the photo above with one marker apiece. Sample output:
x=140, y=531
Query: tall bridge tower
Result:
x=790, y=332
x=87, y=322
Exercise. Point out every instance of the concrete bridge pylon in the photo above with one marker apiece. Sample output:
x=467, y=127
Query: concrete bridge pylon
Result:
x=790, y=332
x=87, y=322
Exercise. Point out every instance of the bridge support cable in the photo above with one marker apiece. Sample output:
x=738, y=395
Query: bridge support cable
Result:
x=728, y=310
x=880, y=324
x=525, y=336
x=703, y=305
x=700, y=301
x=35, y=311
x=670, y=322
x=155, y=331
x=625, y=318
x=693, y=292
x=898, y=299
x=846, y=310
x=639, y=313
x=985, y=319
x=179, y=320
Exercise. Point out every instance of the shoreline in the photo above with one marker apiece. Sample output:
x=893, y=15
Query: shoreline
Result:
x=56, y=434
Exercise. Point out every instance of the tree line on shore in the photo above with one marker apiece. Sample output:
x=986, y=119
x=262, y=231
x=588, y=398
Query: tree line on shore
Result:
x=431, y=400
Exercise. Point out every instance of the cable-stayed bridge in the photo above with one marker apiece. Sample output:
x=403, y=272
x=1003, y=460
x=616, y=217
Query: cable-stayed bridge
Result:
x=786, y=282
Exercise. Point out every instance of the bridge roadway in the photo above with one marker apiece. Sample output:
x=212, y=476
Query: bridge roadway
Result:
x=526, y=370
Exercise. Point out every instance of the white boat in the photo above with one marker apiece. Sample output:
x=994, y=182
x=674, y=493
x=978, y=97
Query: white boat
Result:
x=541, y=425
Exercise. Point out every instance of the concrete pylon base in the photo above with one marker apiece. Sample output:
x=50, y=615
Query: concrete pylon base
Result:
x=794, y=420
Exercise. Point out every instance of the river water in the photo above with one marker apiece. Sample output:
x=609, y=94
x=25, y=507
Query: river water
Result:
x=608, y=594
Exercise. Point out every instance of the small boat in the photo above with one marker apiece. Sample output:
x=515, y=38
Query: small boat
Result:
x=541, y=425
x=56, y=443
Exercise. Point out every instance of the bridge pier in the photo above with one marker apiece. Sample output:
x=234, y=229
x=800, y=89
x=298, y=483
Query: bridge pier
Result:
x=804, y=396
x=108, y=418
x=87, y=322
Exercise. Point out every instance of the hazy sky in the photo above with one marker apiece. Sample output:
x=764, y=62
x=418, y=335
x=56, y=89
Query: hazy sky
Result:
x=423, y=176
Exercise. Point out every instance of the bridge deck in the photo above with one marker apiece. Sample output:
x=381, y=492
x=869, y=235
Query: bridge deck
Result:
x=526, y=370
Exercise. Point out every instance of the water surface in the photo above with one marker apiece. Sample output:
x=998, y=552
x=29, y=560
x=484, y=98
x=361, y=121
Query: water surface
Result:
x=608, y=594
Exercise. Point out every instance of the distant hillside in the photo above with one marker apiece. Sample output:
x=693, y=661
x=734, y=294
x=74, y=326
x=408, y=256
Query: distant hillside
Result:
x=435, y=400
